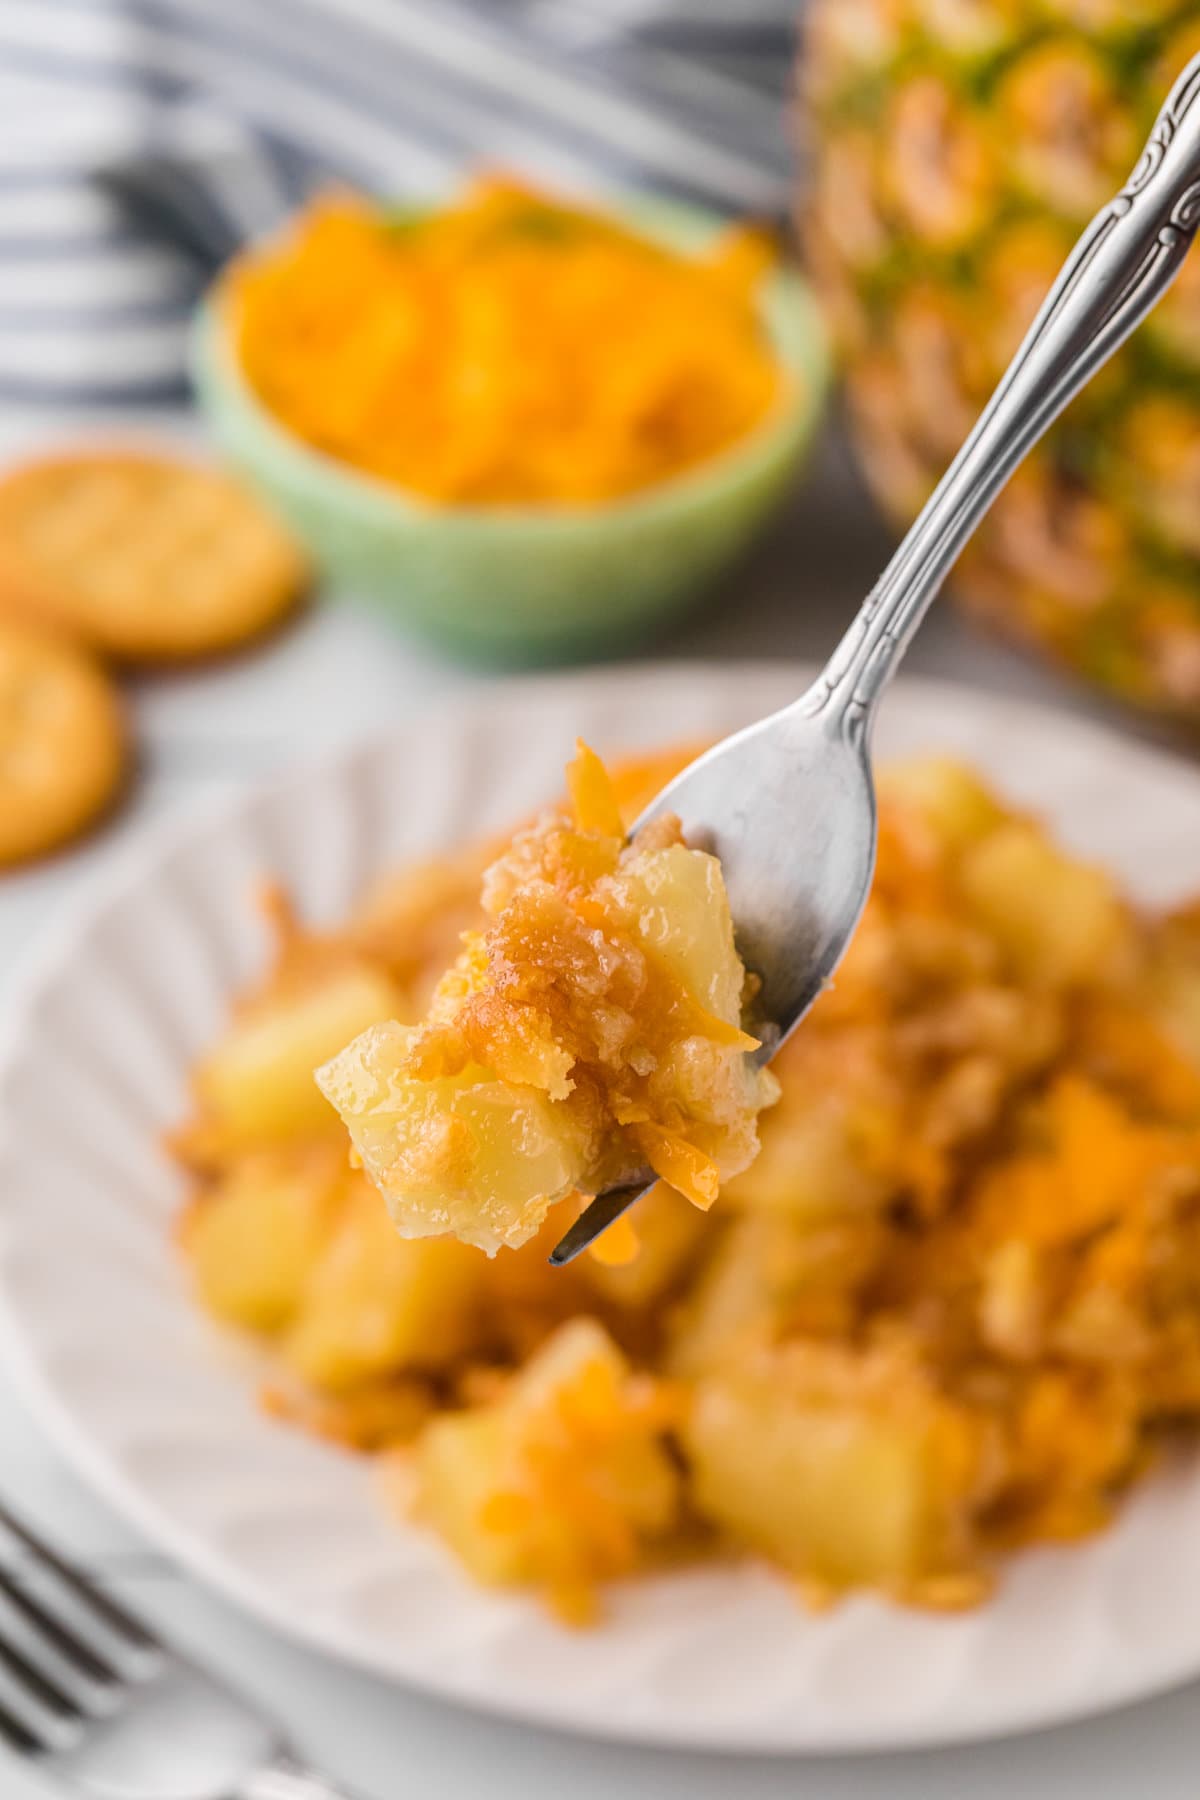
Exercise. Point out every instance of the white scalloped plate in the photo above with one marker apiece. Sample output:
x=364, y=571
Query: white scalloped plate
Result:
x=158, y=1412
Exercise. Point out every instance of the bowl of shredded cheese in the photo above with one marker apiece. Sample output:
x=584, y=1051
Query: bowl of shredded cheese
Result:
x=525, y=429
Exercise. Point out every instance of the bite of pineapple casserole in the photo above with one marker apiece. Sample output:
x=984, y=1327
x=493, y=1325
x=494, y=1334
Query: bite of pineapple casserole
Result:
x=953, y=1306
x=592, y=1029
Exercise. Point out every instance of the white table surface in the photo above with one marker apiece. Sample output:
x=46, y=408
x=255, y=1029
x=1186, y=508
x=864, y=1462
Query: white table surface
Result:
x=333, y=677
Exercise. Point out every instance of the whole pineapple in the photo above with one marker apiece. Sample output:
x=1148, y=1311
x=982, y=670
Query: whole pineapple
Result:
x=956, y=149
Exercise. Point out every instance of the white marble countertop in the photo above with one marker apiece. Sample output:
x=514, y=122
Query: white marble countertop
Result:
x=331, y=678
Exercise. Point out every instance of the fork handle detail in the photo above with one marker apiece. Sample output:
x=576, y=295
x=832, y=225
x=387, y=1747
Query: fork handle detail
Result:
x=288, y=1780
x=1118, y=271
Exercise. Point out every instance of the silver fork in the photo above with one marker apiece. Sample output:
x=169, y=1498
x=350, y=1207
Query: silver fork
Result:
x=94, y=1699
x=789, y=804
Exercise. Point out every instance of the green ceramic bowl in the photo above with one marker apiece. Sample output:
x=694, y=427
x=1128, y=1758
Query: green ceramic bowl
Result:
x=520, y=584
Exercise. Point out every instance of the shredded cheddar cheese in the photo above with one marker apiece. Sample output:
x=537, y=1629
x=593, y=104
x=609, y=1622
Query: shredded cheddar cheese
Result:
x=510, y=349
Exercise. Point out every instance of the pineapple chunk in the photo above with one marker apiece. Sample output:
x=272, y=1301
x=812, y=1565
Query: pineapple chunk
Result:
x=593, y=1029
x=673, y=900
x=377, y=1304
x=461, y=1467
x=1059, y=921
x=768, y=1273
x=953, y=802
x=256, y=1086
x=825, y=1146
x=371, y=1416
x=465, y=1153
x=841, y=1477
x=256, y=1235
x=562, y=1483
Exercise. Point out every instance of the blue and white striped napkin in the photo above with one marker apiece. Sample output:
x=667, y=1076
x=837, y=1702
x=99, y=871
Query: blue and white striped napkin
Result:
x=142, y=140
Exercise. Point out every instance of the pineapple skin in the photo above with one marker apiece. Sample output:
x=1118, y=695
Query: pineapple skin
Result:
x=954, y=151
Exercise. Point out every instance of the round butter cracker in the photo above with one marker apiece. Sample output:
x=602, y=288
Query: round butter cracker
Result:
x=64, y=749
x=144, y=558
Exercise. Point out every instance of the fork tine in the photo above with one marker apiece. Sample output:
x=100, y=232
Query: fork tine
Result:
x=113, y=1617
x=32, y=1680
x=596, y=1217
x=18, y=1735
x=57, y=1639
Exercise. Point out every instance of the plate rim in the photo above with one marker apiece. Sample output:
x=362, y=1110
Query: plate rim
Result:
x=55, y=941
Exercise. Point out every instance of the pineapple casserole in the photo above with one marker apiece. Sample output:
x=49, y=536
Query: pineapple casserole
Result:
x=953, y=1306
x=591, y=1030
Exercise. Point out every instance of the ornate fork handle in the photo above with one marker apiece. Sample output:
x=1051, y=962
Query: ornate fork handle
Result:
x=1120, y=268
